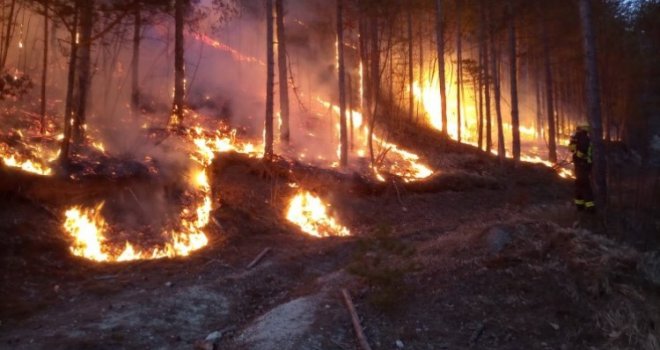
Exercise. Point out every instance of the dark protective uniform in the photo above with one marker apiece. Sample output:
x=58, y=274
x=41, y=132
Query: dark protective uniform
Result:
x=580, y=146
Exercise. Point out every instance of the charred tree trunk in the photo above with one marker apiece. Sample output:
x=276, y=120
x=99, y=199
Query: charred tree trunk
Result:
x=495, y=62
x=486, y=72
x=375, y=83
x=285, y=133
x=343, y=158
x=365, y=100
x=179, y=65
x=411, y=78
x=44, y=70
x=84, y=74
x=8, y=34
x=593, y=100
x=135, y=61
x=513, y=70
x=441, y=64
x=552, y=144
x=480, y=83
x=270, y=77
x=459, y=70
x=71, y=81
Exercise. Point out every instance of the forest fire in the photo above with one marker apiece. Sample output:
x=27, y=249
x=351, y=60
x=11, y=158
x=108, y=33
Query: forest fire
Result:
x=88, y=229
x=14, y=159
x=220, y=141
x=310, y=213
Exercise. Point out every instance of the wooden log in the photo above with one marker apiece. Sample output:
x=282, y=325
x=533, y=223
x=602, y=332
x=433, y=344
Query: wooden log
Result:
x=356, y=321
x=258, y=258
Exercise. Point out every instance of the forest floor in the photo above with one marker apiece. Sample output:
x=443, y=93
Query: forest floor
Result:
x=513, y=267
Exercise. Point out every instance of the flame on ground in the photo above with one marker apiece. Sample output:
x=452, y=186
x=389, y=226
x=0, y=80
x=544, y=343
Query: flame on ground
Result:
x=309, y=213
x=88, y=229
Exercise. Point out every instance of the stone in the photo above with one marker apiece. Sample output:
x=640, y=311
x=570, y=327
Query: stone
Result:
x=498, y=238
x=213, y=337
x=399, y=344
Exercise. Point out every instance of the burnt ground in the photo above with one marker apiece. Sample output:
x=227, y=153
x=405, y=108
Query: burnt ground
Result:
x=507, y=268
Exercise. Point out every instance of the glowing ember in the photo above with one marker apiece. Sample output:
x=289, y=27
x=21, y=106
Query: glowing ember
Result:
x=237, y=55
x=15, y=160
x=410, y=169
x=220, y=142
x=309, y=213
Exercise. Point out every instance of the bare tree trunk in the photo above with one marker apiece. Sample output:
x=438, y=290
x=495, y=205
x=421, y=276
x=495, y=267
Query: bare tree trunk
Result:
x=8, y=34
x=71, y=81
x=84, y=74
x=135, y=61
x=459, y=69
x=285, y=133
x=270, y=77
x=489, y=128
x=411, y=78
x=495, y=62
x=44, y=70
x=513, y=69
x=343, y=158
x=552, y=144
x=375, y=83
x=441, y=64
x=593, y=101
x=179, y=65
x=480, y=87
x=539, y=110
x=365, y=99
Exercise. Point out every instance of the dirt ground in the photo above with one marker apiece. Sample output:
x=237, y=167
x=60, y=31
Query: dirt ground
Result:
x=507, y=268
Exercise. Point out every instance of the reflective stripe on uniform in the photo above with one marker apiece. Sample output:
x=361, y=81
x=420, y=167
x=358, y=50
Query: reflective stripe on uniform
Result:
x=589, y=204
x=580, y=202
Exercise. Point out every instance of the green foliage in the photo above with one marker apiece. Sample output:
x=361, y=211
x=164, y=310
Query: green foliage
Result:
x=383, y=261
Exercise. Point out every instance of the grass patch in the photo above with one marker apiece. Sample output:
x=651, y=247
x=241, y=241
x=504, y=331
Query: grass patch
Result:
x=382, y=262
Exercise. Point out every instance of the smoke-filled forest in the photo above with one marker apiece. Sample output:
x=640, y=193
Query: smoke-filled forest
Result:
x=330, y=174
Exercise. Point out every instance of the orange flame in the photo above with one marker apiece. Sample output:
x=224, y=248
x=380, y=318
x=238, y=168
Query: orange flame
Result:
x=309, y=213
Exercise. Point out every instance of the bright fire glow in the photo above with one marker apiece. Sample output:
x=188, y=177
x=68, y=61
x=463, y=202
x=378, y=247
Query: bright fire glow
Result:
x=14, y=160
x=88, y=229
x=309, y=213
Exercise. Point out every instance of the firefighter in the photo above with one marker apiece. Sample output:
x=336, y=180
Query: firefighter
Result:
x=580, y=147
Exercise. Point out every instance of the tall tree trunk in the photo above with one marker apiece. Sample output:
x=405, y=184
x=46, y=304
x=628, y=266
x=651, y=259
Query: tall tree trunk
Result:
x=285, y=133
x=411, y=78
x=459, y=70
x=495, y=62
x=513, y=69
x=365, y=99
x=135, y=61
x=441, y=64
x=71, y=81
x=84, y=74
x=343, y=158
x=552, y=144
x=539, y=109
x=485, y=20
x=375, y=83
x=44, y=70
x=270, y=78
x=179, y=65
x=8, y=34
x=593, y=101
x=480, y=102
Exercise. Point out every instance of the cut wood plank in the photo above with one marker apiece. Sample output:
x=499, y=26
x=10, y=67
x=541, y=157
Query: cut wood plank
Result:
x=356, y=321
x=258, y=258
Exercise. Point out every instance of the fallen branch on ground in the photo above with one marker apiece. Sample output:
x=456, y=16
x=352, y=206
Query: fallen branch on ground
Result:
x=356, y=321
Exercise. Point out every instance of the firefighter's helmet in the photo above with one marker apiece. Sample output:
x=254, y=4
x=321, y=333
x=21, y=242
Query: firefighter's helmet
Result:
x=582, y=127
